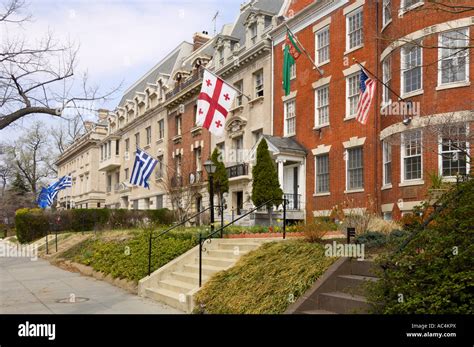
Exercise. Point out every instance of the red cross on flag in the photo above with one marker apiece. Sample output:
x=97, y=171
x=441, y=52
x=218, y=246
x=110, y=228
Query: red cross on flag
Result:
x=214, y=102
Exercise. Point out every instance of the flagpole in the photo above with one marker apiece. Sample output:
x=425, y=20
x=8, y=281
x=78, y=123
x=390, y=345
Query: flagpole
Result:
x=321, y=72
x=230, y=85
x=378, y=79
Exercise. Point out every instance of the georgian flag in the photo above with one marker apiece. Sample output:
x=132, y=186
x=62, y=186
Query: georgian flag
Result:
x=214, y=102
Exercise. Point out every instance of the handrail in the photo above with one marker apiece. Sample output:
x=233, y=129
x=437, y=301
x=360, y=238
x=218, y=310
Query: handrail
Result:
x=209, y=236
x=151, y=238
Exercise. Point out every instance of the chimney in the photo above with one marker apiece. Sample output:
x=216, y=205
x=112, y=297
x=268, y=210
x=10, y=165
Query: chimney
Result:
x=199, y=39
x=103, y=113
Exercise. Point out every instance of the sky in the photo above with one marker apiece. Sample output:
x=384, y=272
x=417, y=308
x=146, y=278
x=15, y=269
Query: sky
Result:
x=120, y=40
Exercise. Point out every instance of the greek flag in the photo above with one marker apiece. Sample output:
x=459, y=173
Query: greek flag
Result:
x=44, y=198
x=142, y=168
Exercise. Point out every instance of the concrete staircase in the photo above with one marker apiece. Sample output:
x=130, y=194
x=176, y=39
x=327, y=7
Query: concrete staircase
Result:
x=176, y=283
x=65, y=242
x=341, y=290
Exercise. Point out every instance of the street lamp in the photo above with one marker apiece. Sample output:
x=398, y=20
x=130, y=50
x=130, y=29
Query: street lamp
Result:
x=211, y=169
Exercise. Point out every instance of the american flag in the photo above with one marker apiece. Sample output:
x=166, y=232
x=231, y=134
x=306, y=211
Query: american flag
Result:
x=367, y=91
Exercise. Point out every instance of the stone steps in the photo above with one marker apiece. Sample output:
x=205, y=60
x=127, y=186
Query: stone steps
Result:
x=175, y=283
x=340, y=290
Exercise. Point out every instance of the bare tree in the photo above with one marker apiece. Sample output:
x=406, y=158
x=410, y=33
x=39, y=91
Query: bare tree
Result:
x=39, y=78
x=64, y=135
x=32, y=156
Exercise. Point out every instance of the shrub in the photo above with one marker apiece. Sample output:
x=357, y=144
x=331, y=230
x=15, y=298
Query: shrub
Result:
x=433, y=270
x=372, y=239
x=31, y=224
x=162, y=216
x=315, y=230
x=89, y=219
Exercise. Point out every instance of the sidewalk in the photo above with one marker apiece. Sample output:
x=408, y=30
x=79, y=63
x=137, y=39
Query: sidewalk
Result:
x=29, y=287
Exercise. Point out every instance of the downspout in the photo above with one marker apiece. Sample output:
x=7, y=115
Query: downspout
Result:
x=378, y=192
x=272, y=74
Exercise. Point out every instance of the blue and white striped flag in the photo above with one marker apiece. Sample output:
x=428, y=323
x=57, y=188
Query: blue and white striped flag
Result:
x=142, y=168
x=63, y=183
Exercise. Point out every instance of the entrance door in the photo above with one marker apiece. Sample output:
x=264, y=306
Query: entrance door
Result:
x=240, y=202
x=290, y=185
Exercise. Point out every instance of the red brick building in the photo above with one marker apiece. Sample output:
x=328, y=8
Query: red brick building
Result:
x=422, y=53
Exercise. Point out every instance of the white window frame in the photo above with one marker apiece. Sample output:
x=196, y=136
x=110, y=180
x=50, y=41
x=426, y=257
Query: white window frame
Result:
x=386, y=151
x=386, y=79
x=318, y=107
x=440, y=59
x=253, y=36
x=318, y=49
x=348, y=105
x=239, y=85
x=386, y=8
x=346, y=154
x=404, y=9
x=161, y=129
x=403, y=156
x=293, y=71
x=148, y=135
x=328, y=191
x=402, y=72
x=348, y=41
x=286, y=119
x=259, y=87
x=440, y=155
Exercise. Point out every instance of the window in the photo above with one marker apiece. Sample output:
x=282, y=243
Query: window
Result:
x=178, y=125
x=221, y=148
x=240, y=87
x=127, y=145
x=322, y=173
x=159, y=167
x=258, y=78
x=387, y=215
x=109, y=146
x=411, y=68
x=253, y=33
x=409, y=4
x=198, y=157
x=411, y=155
x=238, y=146
x=354, y=30
x=453, y=56
x=387, y=163
x=161, y=129
x=293, y=71
x=127, y=172
x=177, y=163
x=386, y=79
x=290, y=117
x=322, y=46
x=355, y=168
x=352, y=89
x=386, y=12
x=148, y=135
x=137, y=139
x=117, y=147
x=220, y=53
x=257, y=134
x=453, y=150
x=322, y=106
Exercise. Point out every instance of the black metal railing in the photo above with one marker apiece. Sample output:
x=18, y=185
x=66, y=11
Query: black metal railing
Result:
x=294, y=201
x=195, y=177
x=238, y=170
x=181, y=86
x=151, y=237
x=208, y=238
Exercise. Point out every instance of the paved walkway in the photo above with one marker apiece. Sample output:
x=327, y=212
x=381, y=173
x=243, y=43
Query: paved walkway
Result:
x=29, y=287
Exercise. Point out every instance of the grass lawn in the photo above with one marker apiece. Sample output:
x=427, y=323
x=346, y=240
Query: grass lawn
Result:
x=124, y=254
x=266, y=280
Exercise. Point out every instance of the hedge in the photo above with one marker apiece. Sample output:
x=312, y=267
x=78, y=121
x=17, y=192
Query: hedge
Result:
x=32, y=224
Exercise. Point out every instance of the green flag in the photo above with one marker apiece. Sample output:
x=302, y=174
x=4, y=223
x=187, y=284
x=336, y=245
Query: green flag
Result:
x=291, y=54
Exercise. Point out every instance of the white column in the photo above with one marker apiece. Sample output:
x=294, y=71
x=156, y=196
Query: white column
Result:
x=280, y=172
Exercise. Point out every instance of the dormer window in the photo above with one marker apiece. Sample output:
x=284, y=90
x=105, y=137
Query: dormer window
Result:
x=220, y=52
x=253, y=33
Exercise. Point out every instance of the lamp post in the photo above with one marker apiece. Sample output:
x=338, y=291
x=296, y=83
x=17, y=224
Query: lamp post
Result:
x=211, y=169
